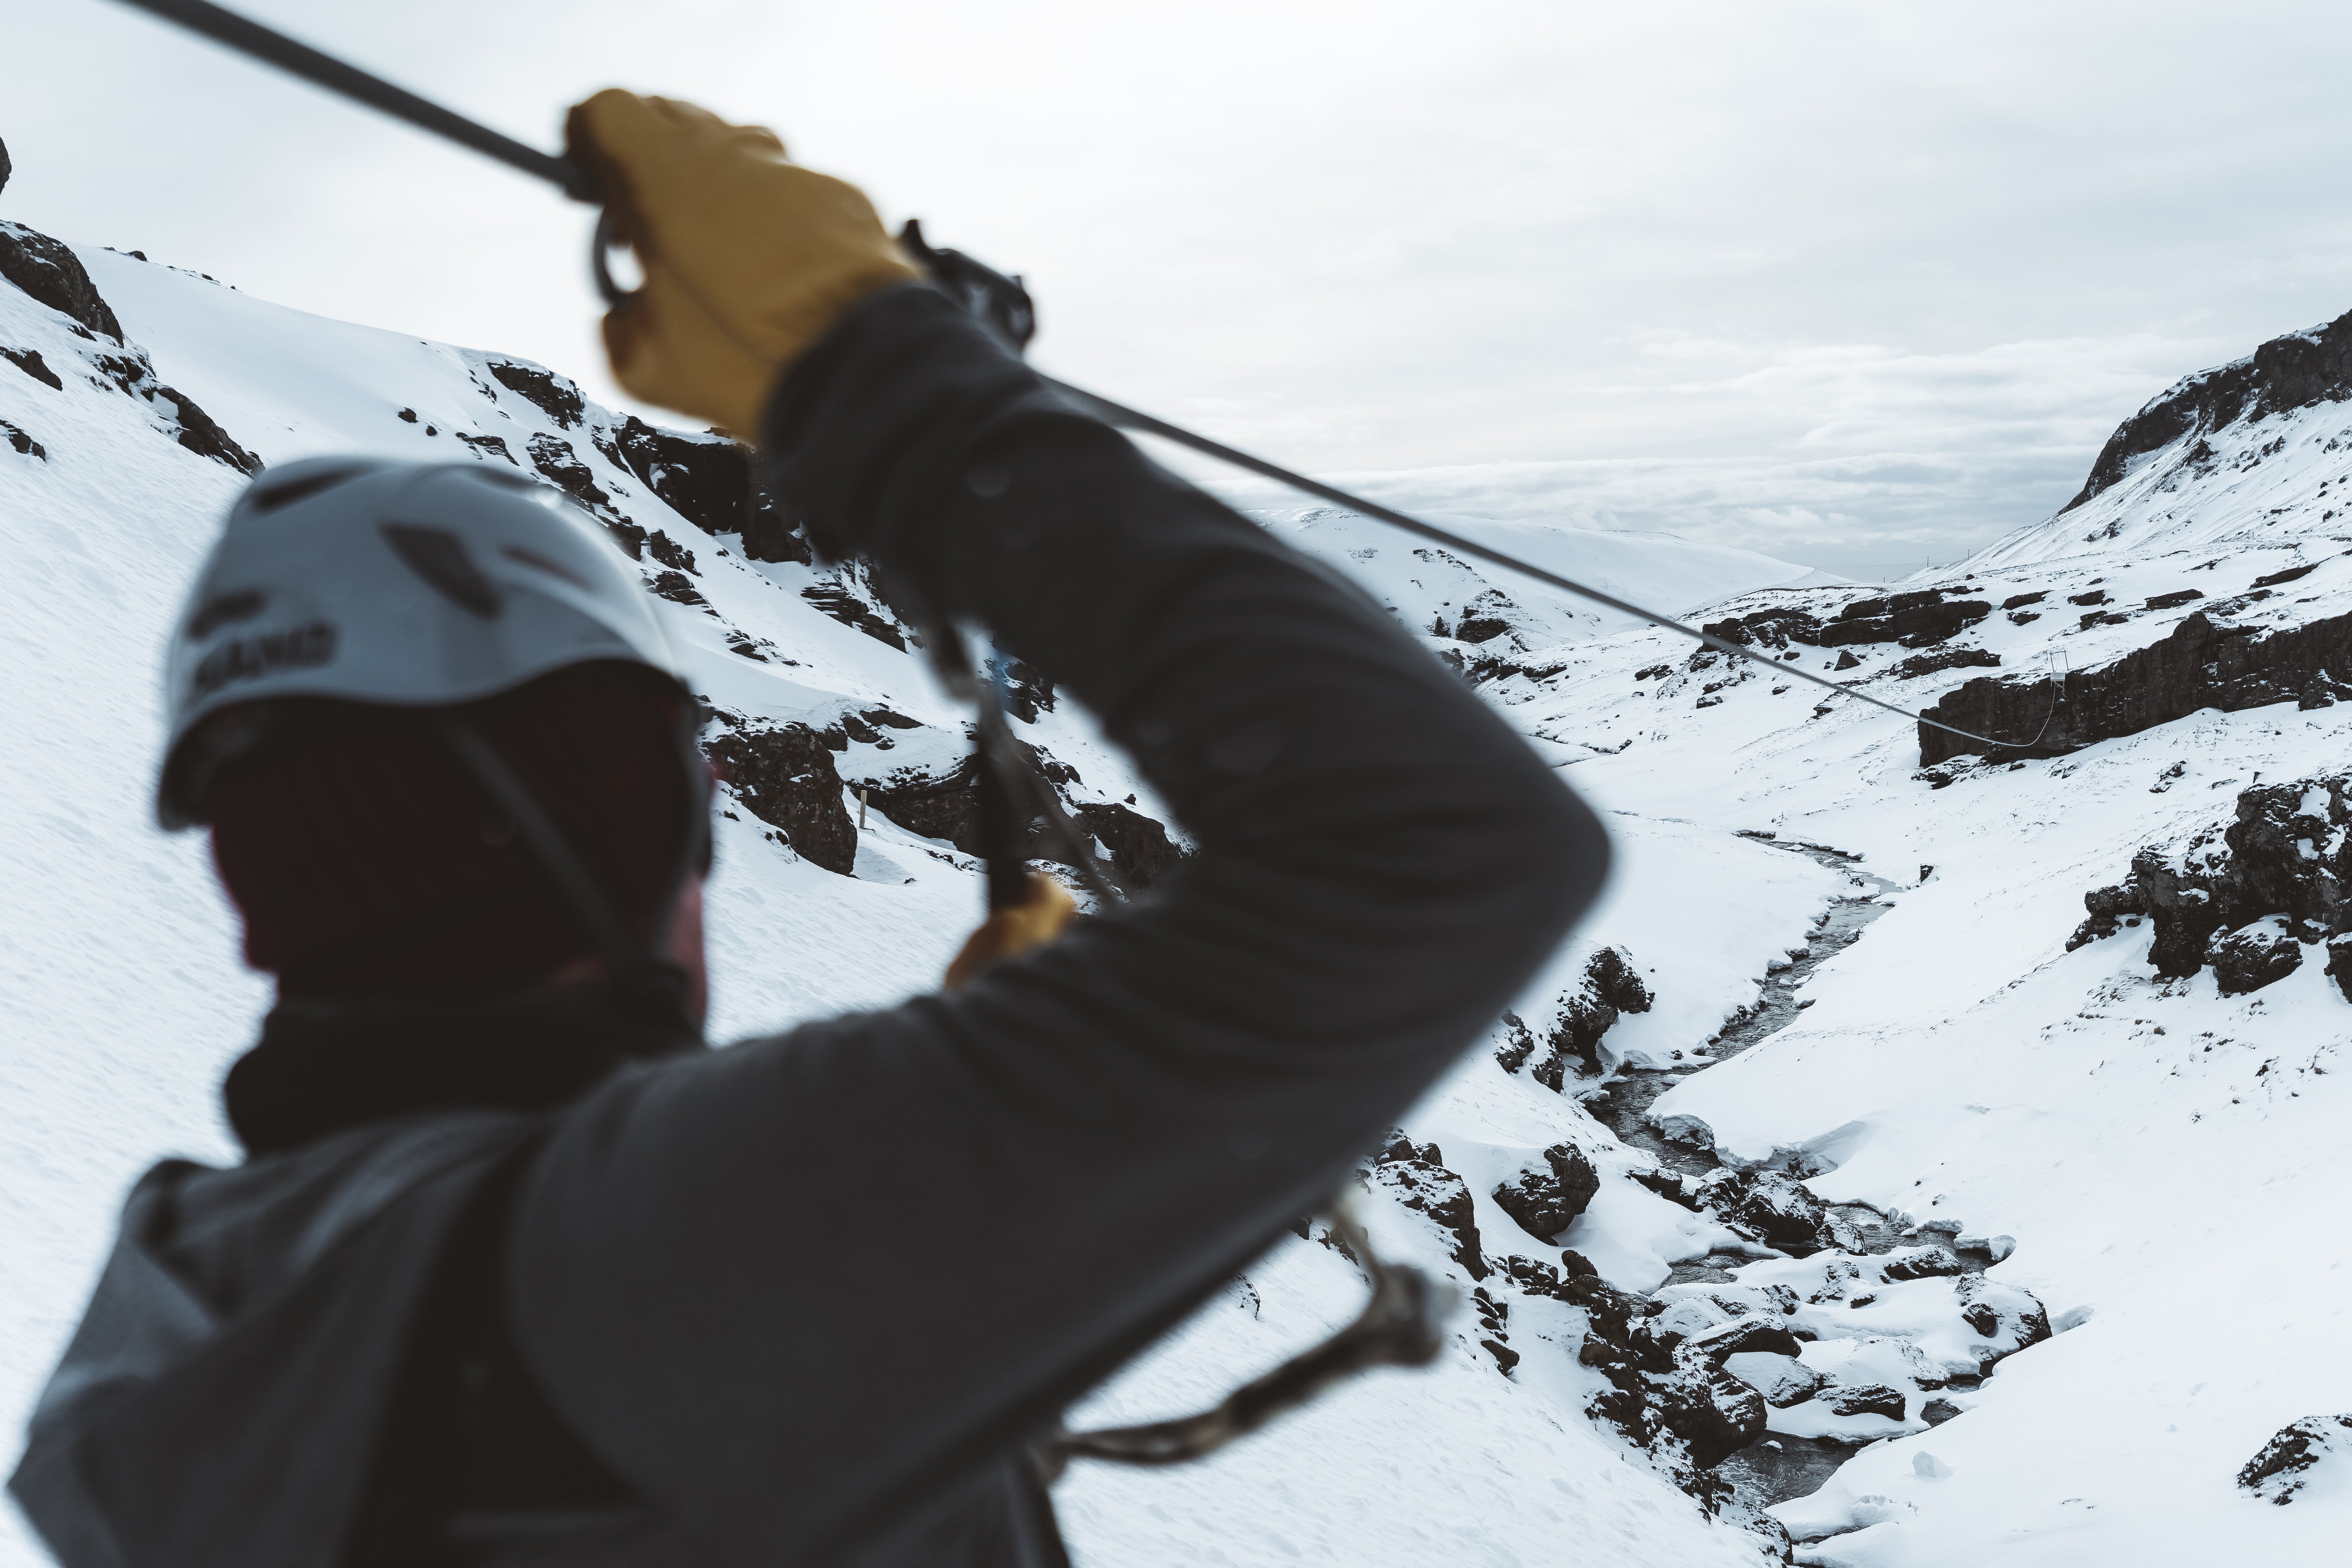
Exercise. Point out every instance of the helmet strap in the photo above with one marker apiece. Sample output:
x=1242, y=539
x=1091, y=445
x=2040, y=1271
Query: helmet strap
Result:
x=645, y=981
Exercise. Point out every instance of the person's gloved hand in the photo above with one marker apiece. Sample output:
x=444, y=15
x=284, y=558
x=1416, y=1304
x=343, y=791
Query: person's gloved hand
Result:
x=1036, y=920
x=746, y=257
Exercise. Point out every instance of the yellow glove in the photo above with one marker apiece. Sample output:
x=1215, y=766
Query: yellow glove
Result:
x=1036, y=920
x=746, y=257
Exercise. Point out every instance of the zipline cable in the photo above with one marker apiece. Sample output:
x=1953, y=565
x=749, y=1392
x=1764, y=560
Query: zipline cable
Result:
x=267, y=43
x=250, y=38
x=1130, y=419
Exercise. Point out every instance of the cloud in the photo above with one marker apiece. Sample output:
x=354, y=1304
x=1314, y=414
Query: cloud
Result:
x=1834, y=272
x=1855, y=452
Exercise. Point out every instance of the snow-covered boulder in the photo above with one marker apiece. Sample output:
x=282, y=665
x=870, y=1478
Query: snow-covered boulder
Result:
x=2309, y=1456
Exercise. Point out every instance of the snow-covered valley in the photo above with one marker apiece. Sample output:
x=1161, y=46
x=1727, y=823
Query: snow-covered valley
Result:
x=1826, y=1184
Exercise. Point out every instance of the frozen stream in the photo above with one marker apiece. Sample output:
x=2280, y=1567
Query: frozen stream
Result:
x=1773, y=1468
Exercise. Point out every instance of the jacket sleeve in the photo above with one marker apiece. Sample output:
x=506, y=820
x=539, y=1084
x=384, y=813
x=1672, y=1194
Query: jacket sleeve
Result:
x=805, y=1278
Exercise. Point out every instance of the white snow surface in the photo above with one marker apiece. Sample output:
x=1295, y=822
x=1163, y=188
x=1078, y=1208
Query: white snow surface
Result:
x=2170, y=1163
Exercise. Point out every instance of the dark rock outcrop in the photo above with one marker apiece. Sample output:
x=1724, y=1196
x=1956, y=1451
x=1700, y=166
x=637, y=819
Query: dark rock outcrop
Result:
x=1415, y=1175
x=1546, y=1202
x=553, y=396
x=836, y=599
x=561, y=466
x=30, y=362
x=1927, y=1263
x=129, y=374
x=1865, y=1399
x=493, y=446
x=1136, y=849
x=705, y=479
x=1944, y=658
x=1138, y=846
x=1713, y=1413
x=2244, y=897
x=1996, y=1312
x=2291, y=372
x=1684, y=1409
x=678, y=588
x=1773, y=628
x=1485, y=617
x=785, y=777
x=2201, y=664
x=1741, y=1336
x=2253, y=956
x=1518, y=1044
x=2111, y=908
x=200, y=433
x=2283, y=1466
x=1612, y=987
x=1770, y=1208
x=21, y=443
x=1915, y=619
x=1027, y=692
x=130, y=371
x=49, y=271
x=944, y=805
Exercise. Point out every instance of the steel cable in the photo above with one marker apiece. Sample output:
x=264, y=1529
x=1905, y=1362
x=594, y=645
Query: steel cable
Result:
x=225, y=27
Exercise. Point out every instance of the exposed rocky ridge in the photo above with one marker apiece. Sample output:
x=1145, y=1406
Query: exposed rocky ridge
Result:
x=51, y=274
x=1135, y=848
x=2247, y=897
x=1545, y=1202
x=2291, y=372
x=1676, y=1402
x=1918, y=619
x=2284, y=1466
x=1612, y=987
x=1415, y=1175
x=784, y=775
x=49, y=271
x=705, y=479
x=2203, y=663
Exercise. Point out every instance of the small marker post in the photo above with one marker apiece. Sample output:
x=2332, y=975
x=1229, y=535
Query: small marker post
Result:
x=861, y=807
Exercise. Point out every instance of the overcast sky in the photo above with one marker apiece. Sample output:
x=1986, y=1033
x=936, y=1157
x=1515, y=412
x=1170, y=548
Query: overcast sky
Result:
x=1855, y=284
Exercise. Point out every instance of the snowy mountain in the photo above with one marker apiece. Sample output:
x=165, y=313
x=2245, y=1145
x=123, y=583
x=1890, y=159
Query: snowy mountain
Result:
x=1840, y=1180
x=137, y=399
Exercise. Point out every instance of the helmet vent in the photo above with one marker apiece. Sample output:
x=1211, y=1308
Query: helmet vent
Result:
x=441, y=559
x=268, y=499
x=219, y=610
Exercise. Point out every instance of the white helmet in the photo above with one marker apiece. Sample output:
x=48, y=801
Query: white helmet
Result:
x=410, y=584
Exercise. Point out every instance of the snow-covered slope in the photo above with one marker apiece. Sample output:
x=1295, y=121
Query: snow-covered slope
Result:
x=125, y=1003
x=1431, y=589
x=2247, y=455
x=2032, y=1247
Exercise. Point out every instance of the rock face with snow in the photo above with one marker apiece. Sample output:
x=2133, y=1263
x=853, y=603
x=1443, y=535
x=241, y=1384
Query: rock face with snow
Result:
x=2202, y=663
x=784, y=776
x=1416, y=1176
x=1571, y=1039
x=1772, y=1207
x=2300, y=1454
x=2245, y=897
x=2297, y=371
x=49, y=273
x=1546, y=1202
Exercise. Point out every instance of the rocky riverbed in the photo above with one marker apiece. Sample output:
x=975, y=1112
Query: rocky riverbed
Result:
x=1780, y=1464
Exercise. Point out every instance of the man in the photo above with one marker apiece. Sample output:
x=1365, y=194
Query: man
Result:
x=515, y=1271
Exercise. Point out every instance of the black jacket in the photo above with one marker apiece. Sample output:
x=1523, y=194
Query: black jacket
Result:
x=804, y=1299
